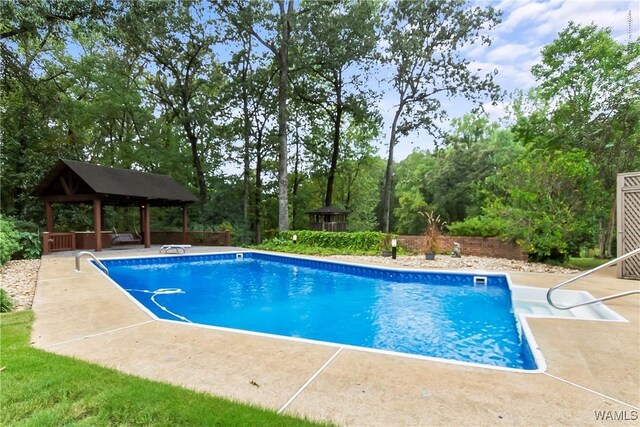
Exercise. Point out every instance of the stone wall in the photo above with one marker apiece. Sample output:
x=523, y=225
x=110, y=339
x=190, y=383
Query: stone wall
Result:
x=493, y=247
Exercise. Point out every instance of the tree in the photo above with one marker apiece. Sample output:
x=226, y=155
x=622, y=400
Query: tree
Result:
x=474, y=149
x=39, y=111
x=334, y=70
x=592, y=83
x=175, y=38
x=412, y=192
x=247, y=17
x=548, y=201
x=254, y=80
x=423, y=50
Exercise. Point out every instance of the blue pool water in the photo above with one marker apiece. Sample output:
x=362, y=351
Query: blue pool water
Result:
x=432, y=314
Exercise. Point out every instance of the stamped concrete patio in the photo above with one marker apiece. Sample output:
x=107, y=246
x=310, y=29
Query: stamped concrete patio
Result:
x=593, y=367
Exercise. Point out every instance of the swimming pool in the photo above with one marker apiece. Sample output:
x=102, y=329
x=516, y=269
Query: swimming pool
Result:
x=453, y=316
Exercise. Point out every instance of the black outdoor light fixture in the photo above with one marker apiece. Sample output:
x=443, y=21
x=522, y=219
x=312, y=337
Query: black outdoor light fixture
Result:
x=295, y=239
x=394, y=248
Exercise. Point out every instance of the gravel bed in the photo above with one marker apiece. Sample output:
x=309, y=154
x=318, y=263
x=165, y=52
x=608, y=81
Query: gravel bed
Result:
x=19, y=279
x=465, y=263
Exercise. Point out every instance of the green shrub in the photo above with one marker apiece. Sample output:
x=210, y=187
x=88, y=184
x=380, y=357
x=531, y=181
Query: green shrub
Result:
x=6, y=303
x=478, y=226
x=367, y=241
x=328, y=243
x=270, y=233
x=30, y=246
x=9, y=238
x=18, y=240
x=240, y=234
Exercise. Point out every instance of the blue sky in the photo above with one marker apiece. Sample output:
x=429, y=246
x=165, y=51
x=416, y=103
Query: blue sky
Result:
x=527, y=26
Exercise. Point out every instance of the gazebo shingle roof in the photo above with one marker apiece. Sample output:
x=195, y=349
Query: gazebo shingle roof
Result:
x=111, y=184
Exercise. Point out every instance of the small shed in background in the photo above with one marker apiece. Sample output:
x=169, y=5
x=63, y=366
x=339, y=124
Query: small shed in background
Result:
x=328, y=218
x=628, y=200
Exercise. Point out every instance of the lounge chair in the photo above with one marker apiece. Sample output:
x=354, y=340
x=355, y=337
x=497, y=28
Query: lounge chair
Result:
x=177, y=248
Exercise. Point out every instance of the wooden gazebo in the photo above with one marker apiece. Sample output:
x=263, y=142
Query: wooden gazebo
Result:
x=70, y=181
x=328, y=218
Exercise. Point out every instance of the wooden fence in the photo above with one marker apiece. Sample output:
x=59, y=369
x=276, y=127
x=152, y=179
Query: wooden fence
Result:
x=628, y=204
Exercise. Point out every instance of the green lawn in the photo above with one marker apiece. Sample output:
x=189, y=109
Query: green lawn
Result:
x=585, y=263
x=43, y=389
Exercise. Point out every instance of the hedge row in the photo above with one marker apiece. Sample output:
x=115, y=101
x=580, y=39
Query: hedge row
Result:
x=361, y=241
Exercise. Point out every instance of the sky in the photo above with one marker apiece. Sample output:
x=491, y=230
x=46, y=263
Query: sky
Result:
x=526, y=27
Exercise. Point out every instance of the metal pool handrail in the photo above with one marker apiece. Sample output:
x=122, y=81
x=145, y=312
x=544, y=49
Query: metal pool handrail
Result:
x=100, y=264
x=586, y=273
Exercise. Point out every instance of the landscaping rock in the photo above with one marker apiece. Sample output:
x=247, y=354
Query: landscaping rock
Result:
x=18, y=279
x=447, y=262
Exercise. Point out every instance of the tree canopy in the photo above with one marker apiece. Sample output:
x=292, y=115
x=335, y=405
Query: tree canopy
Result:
x=268, y=110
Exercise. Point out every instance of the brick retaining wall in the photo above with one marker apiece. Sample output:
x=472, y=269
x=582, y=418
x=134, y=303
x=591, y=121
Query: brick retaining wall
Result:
x=493, y=247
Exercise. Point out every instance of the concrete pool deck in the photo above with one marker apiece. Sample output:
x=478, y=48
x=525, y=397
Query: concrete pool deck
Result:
x=592, y=365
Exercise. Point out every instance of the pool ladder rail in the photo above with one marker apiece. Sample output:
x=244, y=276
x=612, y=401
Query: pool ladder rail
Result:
x=586, y=273
x=98, y=262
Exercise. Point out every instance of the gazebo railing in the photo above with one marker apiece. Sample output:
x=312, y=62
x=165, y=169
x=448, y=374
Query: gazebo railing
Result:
x=57, y=242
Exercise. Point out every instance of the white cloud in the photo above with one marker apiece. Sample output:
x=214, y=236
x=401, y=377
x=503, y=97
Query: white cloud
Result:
x=526, y=12
x=496, y=112
x=508, y=52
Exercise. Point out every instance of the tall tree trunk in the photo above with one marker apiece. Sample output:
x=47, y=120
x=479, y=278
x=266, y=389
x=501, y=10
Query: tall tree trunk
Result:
x=283, y=62
x=388, y=176
x=247, y=137
x=193, y=141
x=296, y=180
x=336, y=145
x=611, y=230
x=257, y=223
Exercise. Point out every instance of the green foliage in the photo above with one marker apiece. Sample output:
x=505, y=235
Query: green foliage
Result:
x=30, y=246
x=240, y=233
x=411, y=191
x=585, y=263
x=17, y=241
x=590, y=82
x=29, y=240
x=363, y=241
x=270, y=233
x=424, y=40
x=42, y=388
x=481, y=226
x=549, y=202
x=474, y=150
x=6, y=303
x=450, y=180
x=9, y=240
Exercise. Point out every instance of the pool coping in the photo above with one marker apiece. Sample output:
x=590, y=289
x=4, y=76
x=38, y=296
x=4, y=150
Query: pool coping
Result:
x=305, y=395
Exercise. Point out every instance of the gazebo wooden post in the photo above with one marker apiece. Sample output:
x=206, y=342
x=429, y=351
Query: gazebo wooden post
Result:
x=102, y=221
x=141, y=223
x=49, y=216
x=147, y=225
x=97, y=223
x=185, y=223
